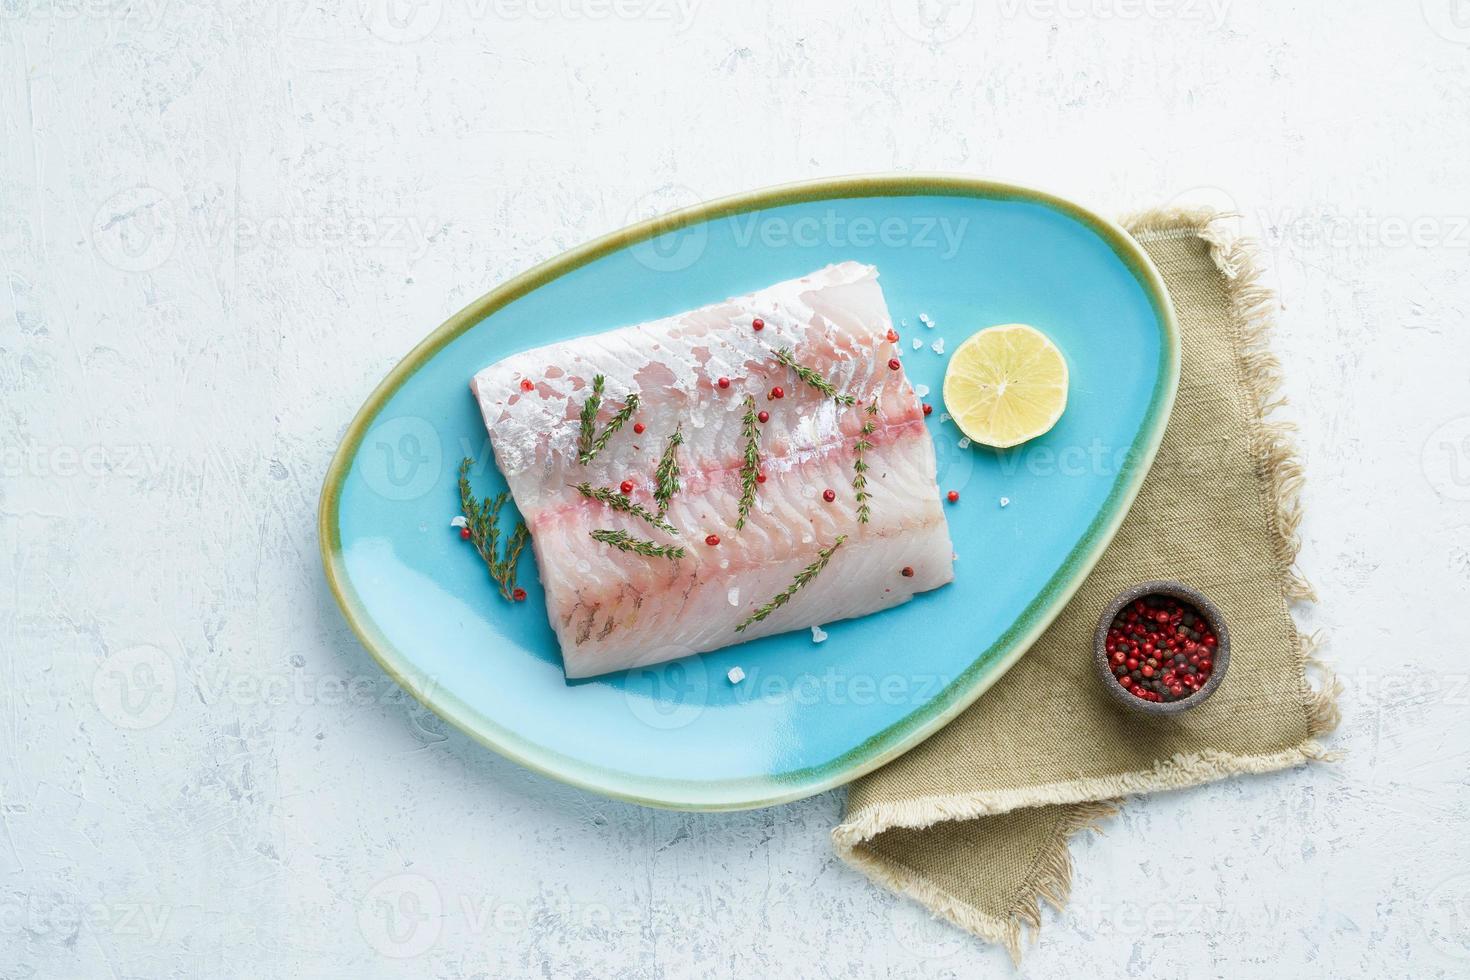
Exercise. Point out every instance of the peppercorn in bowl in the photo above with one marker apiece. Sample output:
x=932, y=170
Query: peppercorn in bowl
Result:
x=1161, y=648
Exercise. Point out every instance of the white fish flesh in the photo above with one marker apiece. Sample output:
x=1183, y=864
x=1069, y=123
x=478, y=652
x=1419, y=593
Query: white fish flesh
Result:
x=613, y=609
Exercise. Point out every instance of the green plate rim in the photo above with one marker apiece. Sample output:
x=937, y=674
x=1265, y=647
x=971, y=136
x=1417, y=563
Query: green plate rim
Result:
x=987, y=667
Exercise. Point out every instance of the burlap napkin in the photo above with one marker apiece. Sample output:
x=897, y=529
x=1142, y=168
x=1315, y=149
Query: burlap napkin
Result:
x=974, y=823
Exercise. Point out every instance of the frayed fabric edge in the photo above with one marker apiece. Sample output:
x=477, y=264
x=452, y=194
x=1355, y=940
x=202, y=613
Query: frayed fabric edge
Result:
x=1181, y=771
x=1089, y=801
x=1050, y=881
x=1278, y=462
x=1093, y=800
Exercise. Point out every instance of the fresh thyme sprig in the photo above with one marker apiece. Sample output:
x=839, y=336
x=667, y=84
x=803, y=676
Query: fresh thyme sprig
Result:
x=617, y=501
x=589, y=417
x=802, y=578
x=589, y=444
x=786, y=357
x=666, y=475
x=624, y=541
x=860, y=465
x=482, y=519
x=613, y=425
x=750, y=466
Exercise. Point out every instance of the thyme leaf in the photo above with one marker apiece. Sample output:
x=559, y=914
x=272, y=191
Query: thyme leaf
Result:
x=860, y=464
x=482, y=518
x=666, y=475
x=619, y=502
x=751, y=464
x=786, y=357
x=589, y=417
x=624, y=541
x=589, y=442
x=802, y=578
x=613, y=425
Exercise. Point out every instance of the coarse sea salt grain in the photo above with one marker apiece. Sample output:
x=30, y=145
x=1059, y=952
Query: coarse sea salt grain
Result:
x=733, y=595
x=1005, y=501
x=964, y=442
x=736, y=675
x=458, y=521
x=918, y=343
x=945, y=416
x=818, y=634
x=924, y=319
x=938, y=346
x=921, y=390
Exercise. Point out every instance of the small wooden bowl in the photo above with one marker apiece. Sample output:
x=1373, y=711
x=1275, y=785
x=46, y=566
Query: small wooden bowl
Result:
x=1183, y=593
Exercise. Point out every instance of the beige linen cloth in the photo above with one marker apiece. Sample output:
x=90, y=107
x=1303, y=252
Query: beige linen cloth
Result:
x=974, y=823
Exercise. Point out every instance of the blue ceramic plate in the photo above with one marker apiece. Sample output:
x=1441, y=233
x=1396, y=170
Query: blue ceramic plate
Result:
x=809, y=716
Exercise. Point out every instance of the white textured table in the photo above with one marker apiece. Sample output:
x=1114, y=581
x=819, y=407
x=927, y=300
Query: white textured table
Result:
x=221, y=223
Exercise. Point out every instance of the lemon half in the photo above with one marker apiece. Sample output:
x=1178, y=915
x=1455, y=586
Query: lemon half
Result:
x=1005, y=385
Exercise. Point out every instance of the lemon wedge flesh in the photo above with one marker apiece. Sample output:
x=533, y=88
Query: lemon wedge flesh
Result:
x=1005, y=385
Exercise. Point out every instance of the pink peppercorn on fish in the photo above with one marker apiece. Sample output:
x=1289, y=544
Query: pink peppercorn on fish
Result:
x=613, y=608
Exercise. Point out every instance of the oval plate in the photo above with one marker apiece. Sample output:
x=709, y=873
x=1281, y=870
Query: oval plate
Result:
x=809, y=716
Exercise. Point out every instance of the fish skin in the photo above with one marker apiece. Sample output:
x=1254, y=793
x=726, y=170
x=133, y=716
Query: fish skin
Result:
x=612, y=610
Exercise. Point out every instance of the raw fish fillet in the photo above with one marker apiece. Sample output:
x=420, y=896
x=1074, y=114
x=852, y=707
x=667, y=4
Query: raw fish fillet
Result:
x=612, y=609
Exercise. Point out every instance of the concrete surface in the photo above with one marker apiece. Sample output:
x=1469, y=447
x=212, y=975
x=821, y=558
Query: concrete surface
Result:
x=221, y=223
